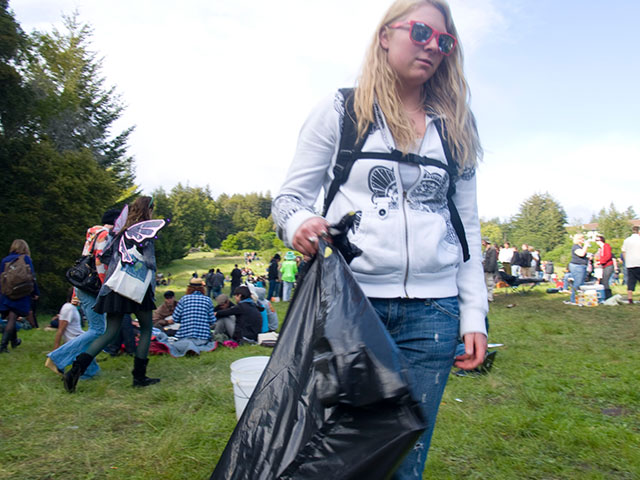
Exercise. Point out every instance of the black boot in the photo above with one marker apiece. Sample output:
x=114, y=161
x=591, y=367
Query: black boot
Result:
x=80, y=364
x=6, y=336
x=139, y=372
x=15, y=341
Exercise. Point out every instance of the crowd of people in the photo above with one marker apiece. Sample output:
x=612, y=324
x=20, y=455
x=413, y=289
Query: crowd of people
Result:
x=525, y=263
x=408, y=180
x=121, y=315
x=601, y=267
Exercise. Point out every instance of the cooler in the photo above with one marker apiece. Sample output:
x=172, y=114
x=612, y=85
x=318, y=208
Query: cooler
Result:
x=589, y=291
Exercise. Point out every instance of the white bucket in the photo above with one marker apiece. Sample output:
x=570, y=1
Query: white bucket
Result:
x=245, y=374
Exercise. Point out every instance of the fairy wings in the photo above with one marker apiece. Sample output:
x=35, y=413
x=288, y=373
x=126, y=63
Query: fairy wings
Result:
x=138, y=232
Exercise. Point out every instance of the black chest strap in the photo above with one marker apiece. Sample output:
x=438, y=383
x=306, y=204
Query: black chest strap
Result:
x=350, y=150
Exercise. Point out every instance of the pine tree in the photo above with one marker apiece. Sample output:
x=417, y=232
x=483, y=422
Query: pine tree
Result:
x=76, y=109
x=540, y=222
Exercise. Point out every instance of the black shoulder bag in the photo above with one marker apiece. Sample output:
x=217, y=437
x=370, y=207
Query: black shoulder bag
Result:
x=83, y=274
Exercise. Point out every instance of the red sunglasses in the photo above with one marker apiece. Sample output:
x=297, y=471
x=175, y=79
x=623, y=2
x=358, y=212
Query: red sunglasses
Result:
x=421, y=34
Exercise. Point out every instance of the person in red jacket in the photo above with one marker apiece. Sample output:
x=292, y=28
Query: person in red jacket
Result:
x=605, y=260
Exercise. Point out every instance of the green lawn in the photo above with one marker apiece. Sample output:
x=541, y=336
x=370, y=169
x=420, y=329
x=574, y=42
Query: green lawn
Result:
x=562, y=402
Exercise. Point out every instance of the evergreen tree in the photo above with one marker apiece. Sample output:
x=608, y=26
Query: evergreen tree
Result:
x=76, y=109
x=194, y=212
x=614, y=224
x=60, y=169
x=16, y=98
x=540, y=222
x=46, y=203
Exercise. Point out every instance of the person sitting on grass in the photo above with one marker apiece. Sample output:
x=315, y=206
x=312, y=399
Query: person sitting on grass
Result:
x=195, y=315
x=272, y=315
x=226, y=325
x=248, y=317
x=69, y=322
x=163, y=315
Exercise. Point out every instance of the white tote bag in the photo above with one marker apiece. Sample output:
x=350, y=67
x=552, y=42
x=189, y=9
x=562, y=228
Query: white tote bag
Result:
x=131, y=280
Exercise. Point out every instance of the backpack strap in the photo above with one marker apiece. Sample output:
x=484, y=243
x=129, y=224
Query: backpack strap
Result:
x=94, y=238
x=453, y=176
x=348, y=146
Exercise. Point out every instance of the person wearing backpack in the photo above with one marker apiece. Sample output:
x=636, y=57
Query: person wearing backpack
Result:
x=116, y=306
x=18, y=282
x=96, y=239
x=400, y=150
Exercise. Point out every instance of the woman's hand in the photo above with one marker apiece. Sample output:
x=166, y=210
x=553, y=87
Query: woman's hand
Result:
x=306, y=237
x=475, y=347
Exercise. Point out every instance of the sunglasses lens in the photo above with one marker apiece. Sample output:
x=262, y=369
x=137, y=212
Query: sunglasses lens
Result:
x=421, y=33
x=446, y=43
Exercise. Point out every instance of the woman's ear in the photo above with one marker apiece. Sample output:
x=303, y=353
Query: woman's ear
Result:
x=383, y=37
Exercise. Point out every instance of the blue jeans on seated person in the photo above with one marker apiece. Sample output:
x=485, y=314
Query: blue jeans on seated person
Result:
x=426, y=333
x=67, y=353
x=579, y=273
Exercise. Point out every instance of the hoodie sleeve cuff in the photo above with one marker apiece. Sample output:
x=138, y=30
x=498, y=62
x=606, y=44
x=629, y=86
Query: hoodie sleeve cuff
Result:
x=293, y=224
x=472, y=321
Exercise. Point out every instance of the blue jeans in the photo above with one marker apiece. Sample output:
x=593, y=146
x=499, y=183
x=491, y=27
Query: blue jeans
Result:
x=578, y=272
x=515, y=270
x=426, y=333
x=273, y=289
x=67, y=353
x=286, y=291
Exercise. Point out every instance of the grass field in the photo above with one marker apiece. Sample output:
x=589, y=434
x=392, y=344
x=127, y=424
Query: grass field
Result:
x=562, y=402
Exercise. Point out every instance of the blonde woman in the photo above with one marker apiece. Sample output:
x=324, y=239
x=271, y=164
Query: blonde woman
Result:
x=578, y=265
x=421, y=265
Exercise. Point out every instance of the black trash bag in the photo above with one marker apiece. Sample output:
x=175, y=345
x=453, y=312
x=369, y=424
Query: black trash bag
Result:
x=339, y=238
x=334, y=401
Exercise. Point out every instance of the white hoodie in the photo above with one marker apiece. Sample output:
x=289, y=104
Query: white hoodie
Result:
x=410, y=249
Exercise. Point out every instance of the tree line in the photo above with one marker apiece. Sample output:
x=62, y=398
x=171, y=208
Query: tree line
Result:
x=542, y=222
x=63, y=163
x=197, y=220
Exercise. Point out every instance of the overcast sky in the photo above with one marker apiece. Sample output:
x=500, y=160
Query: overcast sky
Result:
x=218, y=90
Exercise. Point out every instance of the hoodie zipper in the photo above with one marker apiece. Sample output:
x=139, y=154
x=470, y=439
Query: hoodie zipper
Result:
x=406, y=242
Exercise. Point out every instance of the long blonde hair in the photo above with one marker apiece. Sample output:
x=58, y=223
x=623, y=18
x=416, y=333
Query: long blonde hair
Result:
x=20, y=246
x=445, y=94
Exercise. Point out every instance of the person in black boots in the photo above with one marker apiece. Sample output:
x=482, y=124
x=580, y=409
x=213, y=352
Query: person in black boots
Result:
x=132, y=246
x=18, y=288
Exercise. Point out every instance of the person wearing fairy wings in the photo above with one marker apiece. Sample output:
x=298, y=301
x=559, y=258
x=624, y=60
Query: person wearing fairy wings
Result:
x=133, y=230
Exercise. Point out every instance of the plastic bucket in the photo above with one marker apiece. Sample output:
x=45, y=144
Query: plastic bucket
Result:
x=245, y=374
